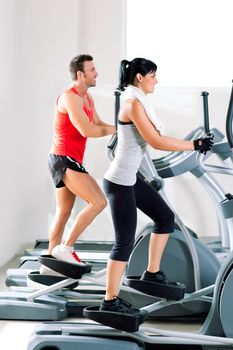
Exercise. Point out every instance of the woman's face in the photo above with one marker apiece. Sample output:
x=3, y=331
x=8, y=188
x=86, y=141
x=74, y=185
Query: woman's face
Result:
x=147, y=82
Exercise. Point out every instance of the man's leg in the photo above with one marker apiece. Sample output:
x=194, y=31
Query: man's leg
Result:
x=64, y=204
x=85, y=187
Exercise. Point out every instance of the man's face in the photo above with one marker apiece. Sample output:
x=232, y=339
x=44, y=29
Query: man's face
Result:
x=90, y=74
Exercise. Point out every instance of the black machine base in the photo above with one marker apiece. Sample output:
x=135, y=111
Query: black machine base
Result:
x=47, y=280
x=68, y=269
x=122, y=321
x=159, y=290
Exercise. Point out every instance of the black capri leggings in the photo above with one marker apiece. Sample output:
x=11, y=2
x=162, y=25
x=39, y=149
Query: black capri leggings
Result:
x=124, y=201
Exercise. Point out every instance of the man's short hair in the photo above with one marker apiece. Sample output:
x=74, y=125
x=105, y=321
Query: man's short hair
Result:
x=77, y=64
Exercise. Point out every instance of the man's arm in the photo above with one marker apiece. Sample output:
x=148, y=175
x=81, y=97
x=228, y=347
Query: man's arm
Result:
x=96, y=118
x=73, y=105
x=98, y=121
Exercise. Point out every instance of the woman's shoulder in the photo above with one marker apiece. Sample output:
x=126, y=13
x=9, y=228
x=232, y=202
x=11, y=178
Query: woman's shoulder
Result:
x=129, y=109
x=132, y=105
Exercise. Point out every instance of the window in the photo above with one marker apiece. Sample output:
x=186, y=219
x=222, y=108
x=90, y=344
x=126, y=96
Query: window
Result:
x=190, y=40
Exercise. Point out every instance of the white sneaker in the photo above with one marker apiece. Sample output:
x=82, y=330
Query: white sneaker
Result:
x=46, y=271
x=66, y=253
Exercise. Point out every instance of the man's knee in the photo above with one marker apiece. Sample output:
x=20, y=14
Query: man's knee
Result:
x=100, y=204
x=63, y=214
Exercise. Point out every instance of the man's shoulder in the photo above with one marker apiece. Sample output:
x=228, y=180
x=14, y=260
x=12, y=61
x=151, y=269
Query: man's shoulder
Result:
x=68, y=91
x=70, y=95
x=68, y=98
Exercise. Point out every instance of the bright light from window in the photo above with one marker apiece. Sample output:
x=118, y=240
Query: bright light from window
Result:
x=191, y=41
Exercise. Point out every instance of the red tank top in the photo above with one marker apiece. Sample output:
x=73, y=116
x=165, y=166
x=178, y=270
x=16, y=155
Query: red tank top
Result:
x=68, y=141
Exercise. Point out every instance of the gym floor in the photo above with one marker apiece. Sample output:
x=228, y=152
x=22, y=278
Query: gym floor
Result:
x=16, y=334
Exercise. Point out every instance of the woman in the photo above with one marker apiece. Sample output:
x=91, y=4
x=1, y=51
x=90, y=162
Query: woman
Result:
x=137, y=127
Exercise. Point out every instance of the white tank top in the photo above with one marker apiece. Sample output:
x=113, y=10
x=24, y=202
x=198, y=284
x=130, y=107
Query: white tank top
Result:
x=130, y=150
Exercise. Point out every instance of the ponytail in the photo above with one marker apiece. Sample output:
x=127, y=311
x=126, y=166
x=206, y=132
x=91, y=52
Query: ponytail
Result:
x=129, y=70
x=124, y=75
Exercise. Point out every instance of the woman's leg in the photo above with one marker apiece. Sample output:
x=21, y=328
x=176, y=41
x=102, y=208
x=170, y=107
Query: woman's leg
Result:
x=157, y=245
x=152, y=204
x=115, y=270
x=124, y=215
x=85, y=187
x=64, y=204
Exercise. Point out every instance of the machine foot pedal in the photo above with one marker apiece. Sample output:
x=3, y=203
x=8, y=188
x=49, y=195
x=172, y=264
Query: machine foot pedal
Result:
x=48, y=280
x=67, y=269
x=169, y=292
x=122, y=321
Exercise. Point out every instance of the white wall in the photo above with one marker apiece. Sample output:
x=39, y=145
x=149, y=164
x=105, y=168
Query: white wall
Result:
x=189, y=40
x=8, y=133
x=38, y=39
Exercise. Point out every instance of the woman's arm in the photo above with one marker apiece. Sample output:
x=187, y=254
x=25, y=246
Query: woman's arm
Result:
x=133, y=110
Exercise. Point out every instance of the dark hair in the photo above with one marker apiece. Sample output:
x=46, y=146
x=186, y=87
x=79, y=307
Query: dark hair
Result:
x=129, y=70
x=77, y=64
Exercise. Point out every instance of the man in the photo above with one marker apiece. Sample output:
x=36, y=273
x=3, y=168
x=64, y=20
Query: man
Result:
x=75, y=120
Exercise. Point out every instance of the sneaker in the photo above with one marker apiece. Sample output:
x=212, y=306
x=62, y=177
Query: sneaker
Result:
x=118, y=305
x=46, y=271
x=157, y=277
x=66, y=253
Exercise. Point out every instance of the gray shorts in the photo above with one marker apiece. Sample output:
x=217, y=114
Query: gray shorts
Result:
x=59, y=164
